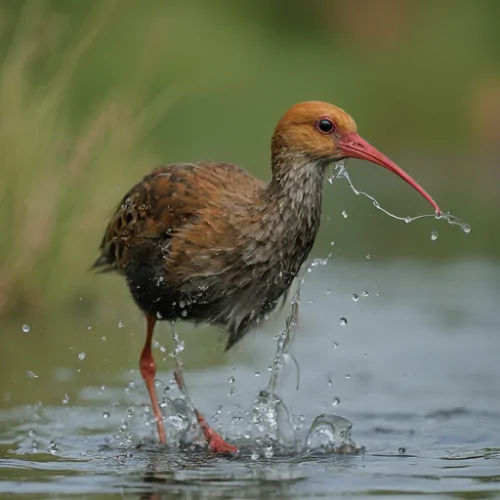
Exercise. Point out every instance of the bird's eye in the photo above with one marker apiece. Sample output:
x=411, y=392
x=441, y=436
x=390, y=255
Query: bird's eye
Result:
x=325, y=126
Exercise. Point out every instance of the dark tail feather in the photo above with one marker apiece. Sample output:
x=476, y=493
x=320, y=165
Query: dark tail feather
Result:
x=235, y=335
x=102, y=265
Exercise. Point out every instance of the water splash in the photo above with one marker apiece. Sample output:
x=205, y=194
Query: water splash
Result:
x=340, y=172
x=270, y=426
x=181, y=424
x=285, y=340
x=330, y=433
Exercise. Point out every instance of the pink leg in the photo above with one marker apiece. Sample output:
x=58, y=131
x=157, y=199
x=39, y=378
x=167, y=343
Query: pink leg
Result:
x=148, y=372
x=215, y=441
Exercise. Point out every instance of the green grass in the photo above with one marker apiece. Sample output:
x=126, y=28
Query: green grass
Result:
x=95, y=94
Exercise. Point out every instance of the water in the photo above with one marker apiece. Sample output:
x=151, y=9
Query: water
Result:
x=340, y=172
x=422, y=399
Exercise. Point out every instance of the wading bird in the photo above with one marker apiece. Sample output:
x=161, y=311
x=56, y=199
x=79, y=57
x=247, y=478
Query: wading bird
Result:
x=209, y=242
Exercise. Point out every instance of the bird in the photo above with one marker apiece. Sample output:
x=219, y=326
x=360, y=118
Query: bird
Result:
x=207, y=242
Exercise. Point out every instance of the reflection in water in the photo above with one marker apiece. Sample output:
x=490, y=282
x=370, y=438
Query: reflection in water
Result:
x=246, y=480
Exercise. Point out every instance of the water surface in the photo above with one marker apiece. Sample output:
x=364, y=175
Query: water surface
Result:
x=415, y=369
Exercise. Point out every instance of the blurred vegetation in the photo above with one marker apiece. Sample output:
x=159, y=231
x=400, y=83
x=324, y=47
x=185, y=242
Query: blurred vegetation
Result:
x=95, y=93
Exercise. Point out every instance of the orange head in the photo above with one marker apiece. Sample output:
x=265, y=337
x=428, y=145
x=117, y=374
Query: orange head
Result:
x=324, y=133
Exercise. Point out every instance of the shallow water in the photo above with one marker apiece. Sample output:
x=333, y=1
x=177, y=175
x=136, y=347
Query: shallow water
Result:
x=415, y=370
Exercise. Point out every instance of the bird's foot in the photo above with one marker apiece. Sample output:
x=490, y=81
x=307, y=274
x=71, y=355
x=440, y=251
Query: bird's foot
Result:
x=215, y=441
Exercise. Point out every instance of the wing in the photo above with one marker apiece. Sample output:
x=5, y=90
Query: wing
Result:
x=148, y=213
x=162, y=204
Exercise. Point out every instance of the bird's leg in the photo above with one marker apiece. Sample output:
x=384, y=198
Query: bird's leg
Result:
x=215, y=441
x=148, y=372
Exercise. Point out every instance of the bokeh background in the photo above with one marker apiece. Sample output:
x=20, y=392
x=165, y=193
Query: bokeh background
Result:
x=95, y=93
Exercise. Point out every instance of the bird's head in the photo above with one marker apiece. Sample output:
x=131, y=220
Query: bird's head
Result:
x=322, y=133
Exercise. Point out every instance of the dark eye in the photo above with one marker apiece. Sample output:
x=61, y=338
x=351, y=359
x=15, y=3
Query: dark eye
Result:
x=325, y=126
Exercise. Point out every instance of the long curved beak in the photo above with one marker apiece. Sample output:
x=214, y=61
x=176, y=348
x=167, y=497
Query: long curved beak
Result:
x=354, y=146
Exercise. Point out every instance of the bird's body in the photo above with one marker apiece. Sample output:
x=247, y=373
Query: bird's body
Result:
x=208, y=242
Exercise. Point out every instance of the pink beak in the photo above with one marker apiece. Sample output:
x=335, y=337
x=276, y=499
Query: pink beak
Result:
x=354, y=146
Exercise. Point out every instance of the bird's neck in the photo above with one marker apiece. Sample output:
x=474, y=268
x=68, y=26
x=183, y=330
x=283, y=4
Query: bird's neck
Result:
x=295, y=192
x=290, y=209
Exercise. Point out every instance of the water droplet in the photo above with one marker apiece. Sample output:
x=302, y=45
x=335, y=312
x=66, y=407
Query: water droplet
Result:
x=254, y=456
x=335, y=401
x=366, y=293
x=163, y=348
x=130, y=412
x=319, y=262
x=163, y=404
x=216, y=414
x=105, y=414
x=89, y=328
x=329, y=291
x=26, y=328
x=31, y=375
x=81, y=356
x=368, y=257
x=343, y=321
x=184, y=313
x=257, y=374
x=231, y=380
x=465, y=228
x=269, y=452
x=332, y=243
x=65, y=399
x=355, y=297
x=182, y=304
x=120, y=324
x=104, y=338
x=53, y=448
x=179, y=347
x=402, y=450
x=434, y=235
x=344, y=214
x=347, y=375
x=38, y=404
x=408, y=219
x=335, y=345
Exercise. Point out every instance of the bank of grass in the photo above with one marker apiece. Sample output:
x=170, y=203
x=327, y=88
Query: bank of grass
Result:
x=56, y=176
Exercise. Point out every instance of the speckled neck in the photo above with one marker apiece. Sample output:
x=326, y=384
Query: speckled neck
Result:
x=289, y=214
x=296, y=192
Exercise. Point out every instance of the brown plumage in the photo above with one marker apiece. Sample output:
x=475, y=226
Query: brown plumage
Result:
x=208, y=242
